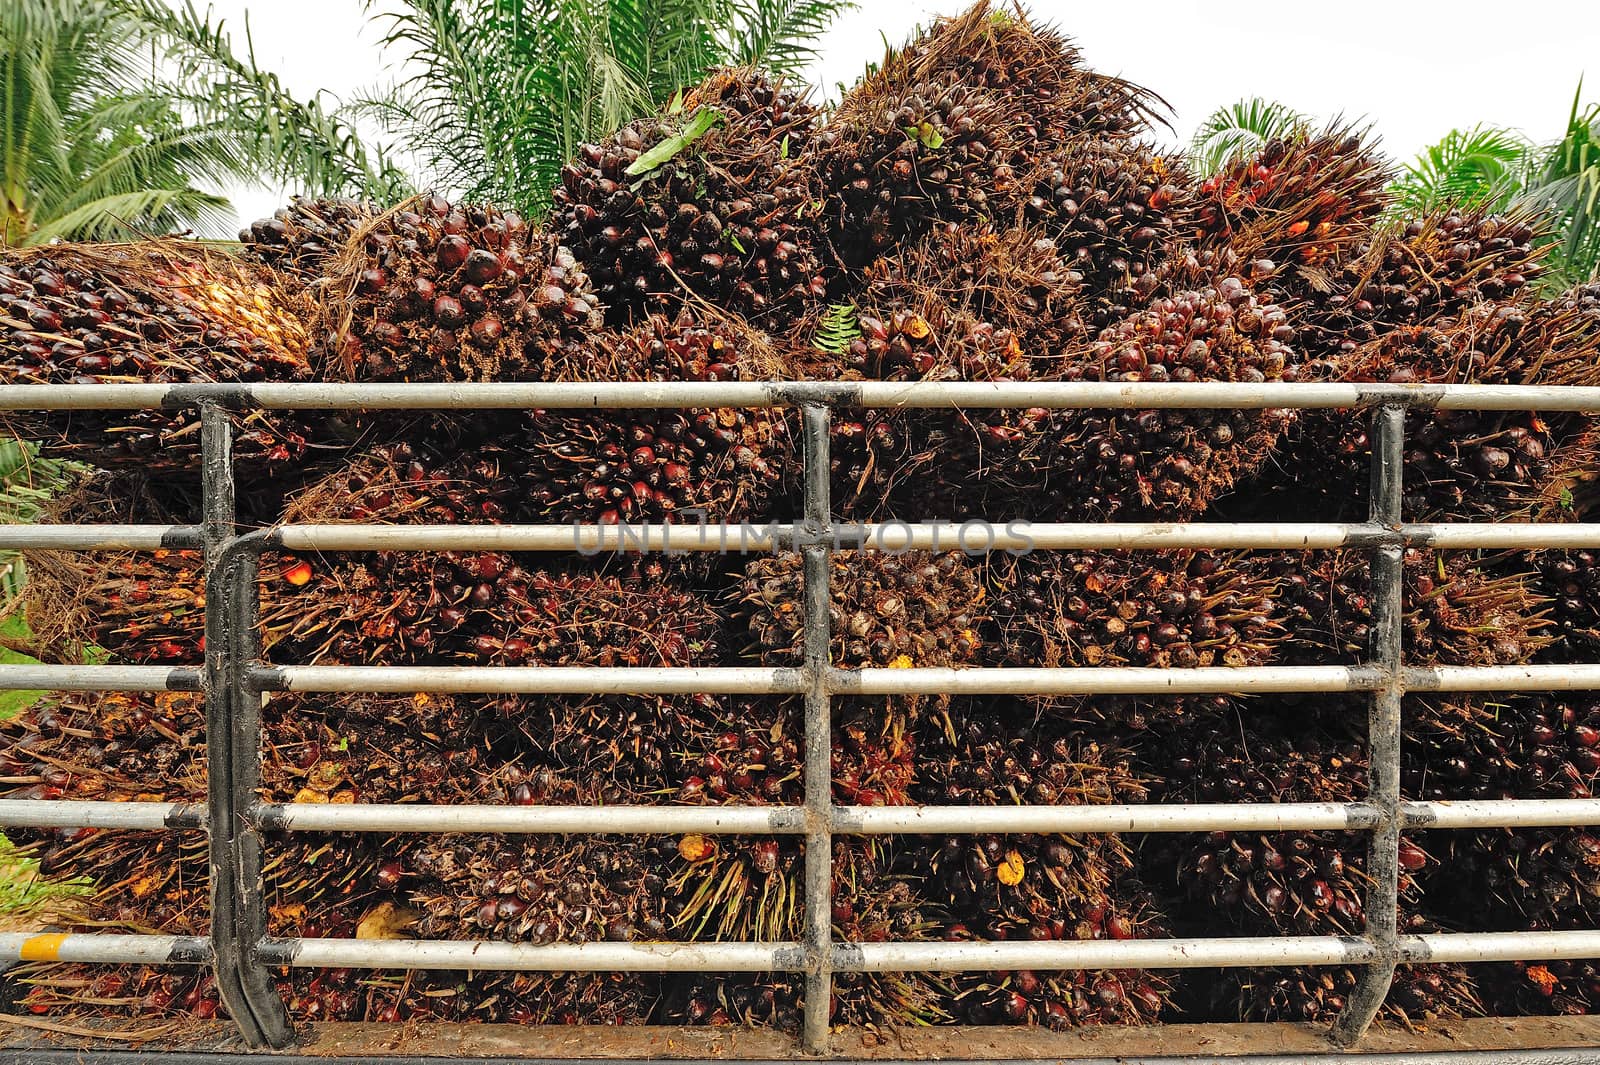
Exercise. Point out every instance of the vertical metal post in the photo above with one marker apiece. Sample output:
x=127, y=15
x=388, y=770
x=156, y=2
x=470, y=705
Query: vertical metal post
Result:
x=233, y=725
x=1383, y=729
x=817, y=549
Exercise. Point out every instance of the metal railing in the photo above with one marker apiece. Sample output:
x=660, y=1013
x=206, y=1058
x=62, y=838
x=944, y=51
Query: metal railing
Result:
x=234, y=681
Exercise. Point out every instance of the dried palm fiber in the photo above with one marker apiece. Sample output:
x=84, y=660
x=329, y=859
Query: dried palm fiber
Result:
x=432, y=291
x=1161, y=610
x=303, y=239
x=157, y=312
x=1283, y=883
x=706, y=201
x=999, y=887
x=872, y=902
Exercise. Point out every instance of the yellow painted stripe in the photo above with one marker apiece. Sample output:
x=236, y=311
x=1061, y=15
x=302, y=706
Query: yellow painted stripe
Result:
x=43, y=947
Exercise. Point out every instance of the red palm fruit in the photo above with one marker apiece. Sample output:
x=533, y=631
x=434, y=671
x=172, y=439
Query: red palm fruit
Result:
x=1305, y=201
x=651, y=465
x=303, y=239
x=431, y=291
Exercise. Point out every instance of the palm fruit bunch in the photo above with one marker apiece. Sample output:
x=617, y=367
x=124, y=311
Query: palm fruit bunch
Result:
x=963, y=304
x=705, y=201
x=1116, y=211
x=1165, y=464
x=886, y=610
x=1462, y=464
x=490, y=608
x=1304, y=202
x=432, y=291
x=649, y=465
x=1157, y=610
x=1286, y=883
x=1457, y=609
x=1429, y=270
x=302, y=240
x=1527, y=746
x=157, y=312
x=538, y=889
x=1571, y=580
x=987, y=753
x=1036, y=70
x=903, y=153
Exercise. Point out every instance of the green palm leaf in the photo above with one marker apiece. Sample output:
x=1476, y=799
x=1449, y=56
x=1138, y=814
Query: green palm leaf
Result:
x=1564, y=182
x=1474, y=167
x=1239, y=130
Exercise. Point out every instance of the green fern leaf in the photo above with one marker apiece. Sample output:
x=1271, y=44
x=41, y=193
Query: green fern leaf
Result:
x=838, y=329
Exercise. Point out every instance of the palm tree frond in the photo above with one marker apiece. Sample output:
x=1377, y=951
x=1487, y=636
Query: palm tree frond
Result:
x=1239, y=130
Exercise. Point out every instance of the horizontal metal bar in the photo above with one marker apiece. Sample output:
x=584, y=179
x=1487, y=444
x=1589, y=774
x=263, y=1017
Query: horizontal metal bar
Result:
x=1501, y=946
x=974, y=536
x=528, y=680
x=965, y=956
x=1207, y=953
x=741, y=680
x=99, y=537
x=1504, y=678
x=637, y=394
x=484, y=955
x=789, y=820
x=1199, y=817
x=104, y=949
x=1104, y=680
x=1004, y=955
x=99, y=678
x=72, y=813
x=610, y=820
x=1502, y=813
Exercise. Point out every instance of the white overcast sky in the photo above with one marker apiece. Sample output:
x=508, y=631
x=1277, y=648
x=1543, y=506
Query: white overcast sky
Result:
x=1414, y=68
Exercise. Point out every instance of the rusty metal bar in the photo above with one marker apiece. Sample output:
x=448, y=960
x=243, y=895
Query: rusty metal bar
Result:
x=1383, y=732
x=817, y=555
x=233, y=741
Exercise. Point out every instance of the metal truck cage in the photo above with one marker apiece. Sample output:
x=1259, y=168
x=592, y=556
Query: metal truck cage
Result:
x=234, y=682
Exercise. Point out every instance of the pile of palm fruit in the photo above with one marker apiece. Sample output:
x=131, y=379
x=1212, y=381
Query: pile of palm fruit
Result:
x=980, y=207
